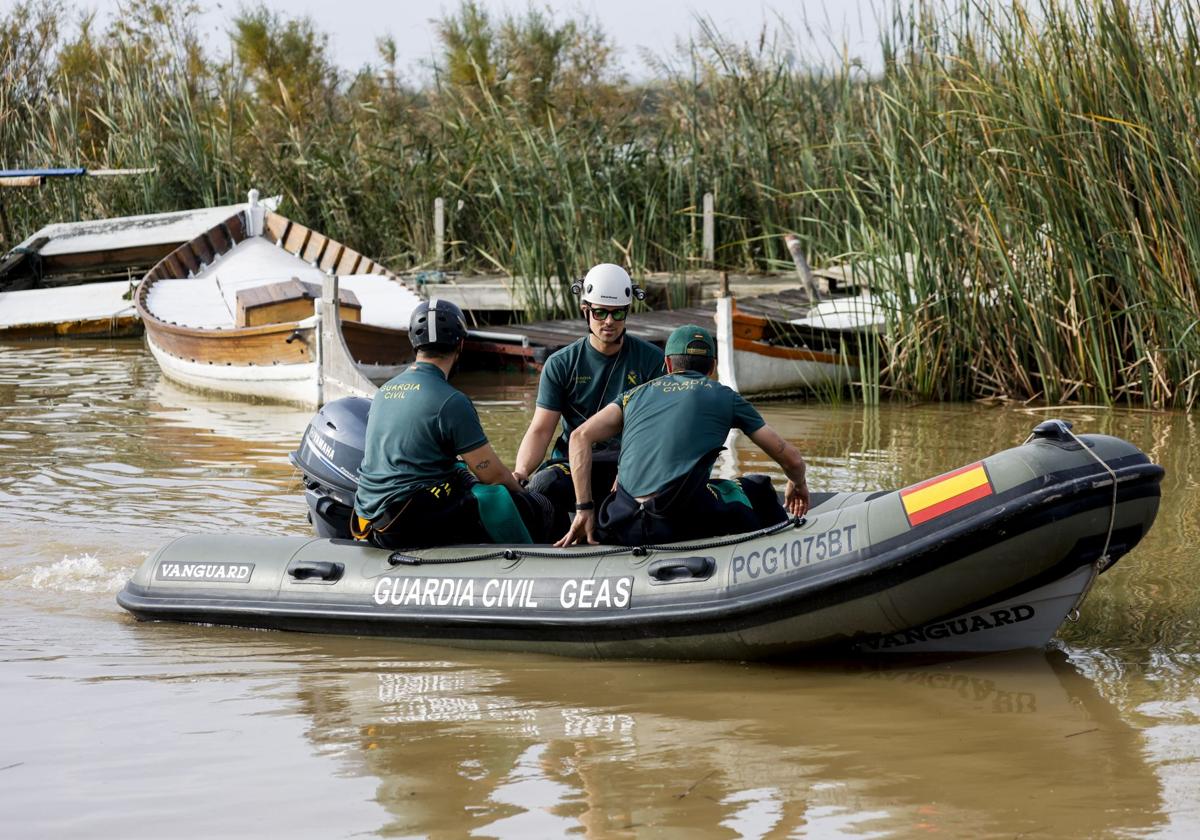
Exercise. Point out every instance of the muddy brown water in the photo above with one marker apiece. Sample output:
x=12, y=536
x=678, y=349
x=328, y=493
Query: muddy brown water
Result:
x=114, y=728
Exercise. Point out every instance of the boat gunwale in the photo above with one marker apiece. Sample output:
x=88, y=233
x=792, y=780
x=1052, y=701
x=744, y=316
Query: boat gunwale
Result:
x=226, y=235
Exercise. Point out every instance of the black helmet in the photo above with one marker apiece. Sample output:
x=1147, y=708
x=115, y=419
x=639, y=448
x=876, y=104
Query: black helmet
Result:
x=437, y=322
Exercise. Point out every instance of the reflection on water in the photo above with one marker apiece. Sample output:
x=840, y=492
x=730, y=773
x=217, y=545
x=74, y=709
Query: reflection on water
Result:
x=770, y=751
x=219, y=418
x=137, y=729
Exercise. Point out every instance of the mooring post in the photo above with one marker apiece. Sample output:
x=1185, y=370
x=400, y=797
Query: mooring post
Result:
x=439, y=230
x=709, y=231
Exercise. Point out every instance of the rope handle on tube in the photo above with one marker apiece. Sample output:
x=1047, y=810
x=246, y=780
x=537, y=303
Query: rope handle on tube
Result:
x=403, y=558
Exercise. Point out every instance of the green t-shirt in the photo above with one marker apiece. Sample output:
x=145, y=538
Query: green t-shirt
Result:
x=418, y=425
x=673, y=422
x=578, y=380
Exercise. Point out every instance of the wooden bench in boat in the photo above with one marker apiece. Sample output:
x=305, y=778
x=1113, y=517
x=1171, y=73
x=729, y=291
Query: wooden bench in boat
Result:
x=289, y=300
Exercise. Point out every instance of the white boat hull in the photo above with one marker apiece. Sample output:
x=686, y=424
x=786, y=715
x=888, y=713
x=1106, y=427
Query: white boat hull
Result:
x=295, y=384
x=1026, y=620
x=754, y=367
x=761, y=374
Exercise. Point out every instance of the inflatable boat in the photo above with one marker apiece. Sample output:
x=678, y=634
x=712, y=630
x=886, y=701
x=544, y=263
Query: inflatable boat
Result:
x=991, y=556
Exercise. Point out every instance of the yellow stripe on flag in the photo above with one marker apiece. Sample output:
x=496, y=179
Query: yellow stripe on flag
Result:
x=947, y=488
x=930, y=499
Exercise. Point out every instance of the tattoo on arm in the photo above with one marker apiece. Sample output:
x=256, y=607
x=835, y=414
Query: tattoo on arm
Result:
x=483, y=465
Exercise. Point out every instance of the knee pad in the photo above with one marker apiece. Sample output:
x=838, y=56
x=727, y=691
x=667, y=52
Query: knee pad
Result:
x=553, y=484
x=763, y=498
x=551, y=481
x=541, y=511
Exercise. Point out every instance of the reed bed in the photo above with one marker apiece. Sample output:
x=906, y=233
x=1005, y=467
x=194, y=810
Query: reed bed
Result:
x=1018, y=182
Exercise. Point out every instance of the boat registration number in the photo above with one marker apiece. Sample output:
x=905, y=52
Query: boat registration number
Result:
x=791, y=554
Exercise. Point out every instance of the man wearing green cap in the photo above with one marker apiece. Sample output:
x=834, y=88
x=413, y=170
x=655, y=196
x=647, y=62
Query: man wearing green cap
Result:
x=672, y=430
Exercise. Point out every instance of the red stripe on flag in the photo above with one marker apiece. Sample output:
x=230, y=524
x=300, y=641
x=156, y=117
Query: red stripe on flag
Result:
x=938, y=479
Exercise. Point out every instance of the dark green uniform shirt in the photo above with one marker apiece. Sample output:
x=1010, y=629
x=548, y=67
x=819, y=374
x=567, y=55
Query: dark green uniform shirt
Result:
x=578, y=380
x=673, y=422
x=418, y=424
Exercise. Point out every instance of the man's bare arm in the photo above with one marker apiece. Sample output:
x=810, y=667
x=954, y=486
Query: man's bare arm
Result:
x=486, y=465
x=537, y=439
x=602, y=426
x=795, y=498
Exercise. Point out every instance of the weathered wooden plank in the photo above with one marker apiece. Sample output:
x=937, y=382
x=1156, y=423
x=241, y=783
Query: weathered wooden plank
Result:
x=111, y=258
x=331, y=257
x=198, y=253
x=349, y=262
x=235, y=226
x=173, y=267
x=187, y=259
x=118, y=326
x=314, y=247
x=220, y=239
x=296, y=239
x=203, y=249
x=276, y=227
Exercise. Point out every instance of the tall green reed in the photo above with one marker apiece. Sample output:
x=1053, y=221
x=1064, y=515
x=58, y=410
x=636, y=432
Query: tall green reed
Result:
x=1016, y=181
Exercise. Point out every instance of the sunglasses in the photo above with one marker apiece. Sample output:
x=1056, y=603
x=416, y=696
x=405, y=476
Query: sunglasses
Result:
x=600, y=314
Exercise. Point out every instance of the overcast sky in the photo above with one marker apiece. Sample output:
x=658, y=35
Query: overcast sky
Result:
x=635, y=26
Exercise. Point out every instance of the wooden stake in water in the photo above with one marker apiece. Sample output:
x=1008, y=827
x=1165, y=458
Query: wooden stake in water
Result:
x=439, y=230
x=709, y=231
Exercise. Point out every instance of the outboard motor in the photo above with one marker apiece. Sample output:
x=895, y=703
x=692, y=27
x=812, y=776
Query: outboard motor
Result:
x=328, y=458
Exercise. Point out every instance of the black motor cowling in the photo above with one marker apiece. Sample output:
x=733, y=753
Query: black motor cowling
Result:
x=328, y=458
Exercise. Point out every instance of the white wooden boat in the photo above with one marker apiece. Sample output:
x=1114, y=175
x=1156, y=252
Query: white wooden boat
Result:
x=767, y=352
x=764, y=356
x=74, y=279
x=238, y=311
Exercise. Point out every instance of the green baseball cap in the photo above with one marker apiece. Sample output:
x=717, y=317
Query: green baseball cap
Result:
x=691, y=340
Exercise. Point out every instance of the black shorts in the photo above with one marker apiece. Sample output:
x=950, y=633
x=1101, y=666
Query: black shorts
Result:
x=623, y=520
x=448, y=514
x=553, y=480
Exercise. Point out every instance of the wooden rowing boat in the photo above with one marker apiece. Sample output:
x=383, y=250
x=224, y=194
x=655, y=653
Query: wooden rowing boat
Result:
x=758, y=355
x=777, y=350
x=237, y=311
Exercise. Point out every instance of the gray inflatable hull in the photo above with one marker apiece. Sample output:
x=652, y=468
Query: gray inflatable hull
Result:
x=989, y=557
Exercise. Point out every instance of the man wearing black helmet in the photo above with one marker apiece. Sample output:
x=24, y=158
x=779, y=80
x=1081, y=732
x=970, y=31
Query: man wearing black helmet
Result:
x=579, y=380
x=411, y=490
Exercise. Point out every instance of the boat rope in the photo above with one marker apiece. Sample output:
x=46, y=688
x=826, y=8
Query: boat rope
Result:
x=402, y=558
x=1103, y=561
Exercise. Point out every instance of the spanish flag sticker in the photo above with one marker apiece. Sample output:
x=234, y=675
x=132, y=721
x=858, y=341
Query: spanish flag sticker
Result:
x=930, y=499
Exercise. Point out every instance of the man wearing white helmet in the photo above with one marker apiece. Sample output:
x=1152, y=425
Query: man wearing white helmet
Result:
x=579, y=380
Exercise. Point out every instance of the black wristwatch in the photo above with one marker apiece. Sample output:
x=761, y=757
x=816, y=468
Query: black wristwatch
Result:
x=585, y=506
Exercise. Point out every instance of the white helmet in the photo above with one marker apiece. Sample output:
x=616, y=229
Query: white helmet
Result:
x=607, y=285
